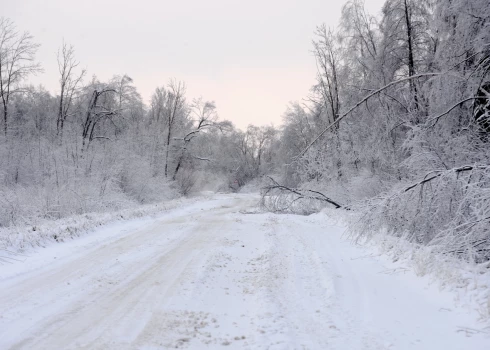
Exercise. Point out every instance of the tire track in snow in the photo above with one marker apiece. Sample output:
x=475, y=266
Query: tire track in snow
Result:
x=104, y=294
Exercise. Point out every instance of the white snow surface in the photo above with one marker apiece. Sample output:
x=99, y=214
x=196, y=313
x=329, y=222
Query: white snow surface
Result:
x=216, y=273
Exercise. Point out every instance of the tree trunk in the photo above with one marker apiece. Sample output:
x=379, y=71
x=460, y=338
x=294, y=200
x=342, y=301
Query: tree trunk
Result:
x=411, y=63
x=59, y=124
x=179, y=163
x=167, y=150
x=5, y=118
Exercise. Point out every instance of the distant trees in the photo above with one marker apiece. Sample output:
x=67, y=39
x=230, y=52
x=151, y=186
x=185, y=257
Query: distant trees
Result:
x=250, y=153
x=96, y=146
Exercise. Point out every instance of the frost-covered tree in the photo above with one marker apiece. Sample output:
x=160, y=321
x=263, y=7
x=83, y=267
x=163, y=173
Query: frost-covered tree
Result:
x=17, y=62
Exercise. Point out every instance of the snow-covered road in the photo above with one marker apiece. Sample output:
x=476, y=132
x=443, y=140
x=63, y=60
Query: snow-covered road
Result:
x=215, y=274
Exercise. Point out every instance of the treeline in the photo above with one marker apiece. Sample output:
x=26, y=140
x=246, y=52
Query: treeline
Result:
x=96, y=146
x=402, y=108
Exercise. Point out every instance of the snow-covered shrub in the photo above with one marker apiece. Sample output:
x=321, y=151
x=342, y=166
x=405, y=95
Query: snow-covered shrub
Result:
x=185, y=181
x=448, y=210
x=22, y=237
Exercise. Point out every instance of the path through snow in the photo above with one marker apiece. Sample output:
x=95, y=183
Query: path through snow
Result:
x=214, y=274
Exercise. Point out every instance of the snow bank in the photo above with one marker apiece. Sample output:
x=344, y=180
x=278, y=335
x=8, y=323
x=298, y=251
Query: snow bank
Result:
x=468, y=281
x=18, y=239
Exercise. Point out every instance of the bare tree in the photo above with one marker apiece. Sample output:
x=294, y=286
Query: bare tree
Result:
x=17, y=54
x=328, y=63
x=327, y=58
x=127, y=93
x=96, y=113
x=177, y=108
x=69, y=81
x=205, y=117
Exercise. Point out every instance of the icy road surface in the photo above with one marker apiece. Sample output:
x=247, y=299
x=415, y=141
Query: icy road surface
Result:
x=214, y=275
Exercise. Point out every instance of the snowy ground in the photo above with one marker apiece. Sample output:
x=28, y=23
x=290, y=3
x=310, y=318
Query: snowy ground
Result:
x=214, y=274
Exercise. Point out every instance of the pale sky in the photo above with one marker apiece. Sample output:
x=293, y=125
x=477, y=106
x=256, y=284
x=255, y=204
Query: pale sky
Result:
x=252, y=57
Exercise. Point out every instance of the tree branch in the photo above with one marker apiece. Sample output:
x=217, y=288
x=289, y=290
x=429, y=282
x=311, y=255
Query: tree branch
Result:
x=302, y=194
x=360, y=103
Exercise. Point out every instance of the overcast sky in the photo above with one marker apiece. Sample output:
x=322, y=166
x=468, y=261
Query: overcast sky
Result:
x=252, y=57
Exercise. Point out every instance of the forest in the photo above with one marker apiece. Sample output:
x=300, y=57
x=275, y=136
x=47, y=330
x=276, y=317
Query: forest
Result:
x=396, y=130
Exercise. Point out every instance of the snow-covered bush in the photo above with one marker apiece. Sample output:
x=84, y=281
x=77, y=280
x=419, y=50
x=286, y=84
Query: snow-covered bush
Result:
x=447, y=210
